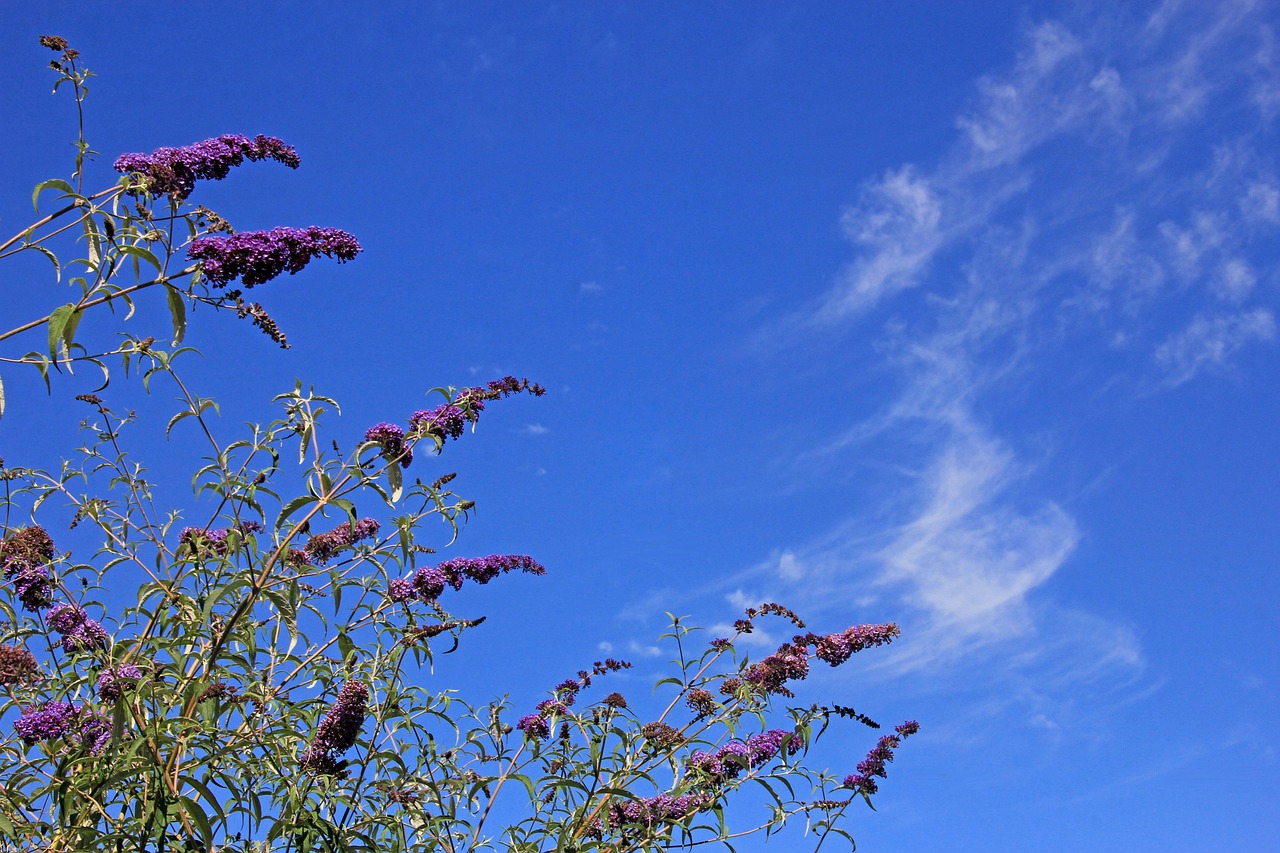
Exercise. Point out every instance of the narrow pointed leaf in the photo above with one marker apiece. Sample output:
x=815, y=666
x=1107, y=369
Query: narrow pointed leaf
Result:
x=57, y=326
x=178, y=312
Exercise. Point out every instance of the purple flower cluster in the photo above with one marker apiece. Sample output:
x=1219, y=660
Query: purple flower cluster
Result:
x=450, y=419
x=401, y=590
x=256, y=257
x=17, y=665
x=535, y=726
x=112, y=683
x=391, y=439
x=654, y=811
x=429, y=582
x=174, y=171
x=481, y=570
x=730, y=760
x=54, y=720
x=864, y=781
x=25, y=555
x=701, y=702
x=51, y=720
x=837, y=648
x=538, y=724
x=94, y=732
x=323, y=547
x=338, y=730
x=791, y=661
x=204, y=543
x=77, y=629
x=445, y=421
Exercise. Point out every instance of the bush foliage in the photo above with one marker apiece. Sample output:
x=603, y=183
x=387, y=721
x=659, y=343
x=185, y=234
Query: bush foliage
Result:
x=266, y=688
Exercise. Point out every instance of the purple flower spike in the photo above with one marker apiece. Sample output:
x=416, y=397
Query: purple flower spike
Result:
x=52, y=720
x=323, y=547
x=391, y=438
x=428, y=583
x=535, y=726
x=450, y=419
x=730, y=760
x=256, y=257
x=94, y=733
x=653, y=811
x=338, y=730
x=837, y=648
x=113, y=682
x=447, y=421
x=77, y=630
x=174, y=171
x=401, y=590
x=25, y=556
x=17, y=665
x=484, y=569
x=864, y=781
x=66, y=618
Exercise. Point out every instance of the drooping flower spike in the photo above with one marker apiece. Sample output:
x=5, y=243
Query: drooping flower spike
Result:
x=174, y=171
x=256, y=257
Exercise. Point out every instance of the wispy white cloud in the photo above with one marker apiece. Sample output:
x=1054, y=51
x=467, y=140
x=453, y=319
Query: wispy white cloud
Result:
x=535, y=429
x=968, y=560
x=1210, y=341
x=1078, y=196
x=643, y=650
x=1189, y=244
x=1235, y=280
x=898, y=223
x=1261, y=203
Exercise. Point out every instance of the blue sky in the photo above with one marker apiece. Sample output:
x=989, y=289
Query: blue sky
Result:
x=961, y=315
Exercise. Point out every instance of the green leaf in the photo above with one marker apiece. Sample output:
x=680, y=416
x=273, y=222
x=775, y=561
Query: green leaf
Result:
x=93, y=241
x=53, y=184
x=144, y=254
x=207, y=795
x=177, y=311
x=174, y=420
x=200, y=819
x=59, y=320
x=53, y=259
x=396, y=477
x=293, y=506
x=346, y=506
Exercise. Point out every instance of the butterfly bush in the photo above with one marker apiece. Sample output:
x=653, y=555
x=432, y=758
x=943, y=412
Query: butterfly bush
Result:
x=257, y=657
